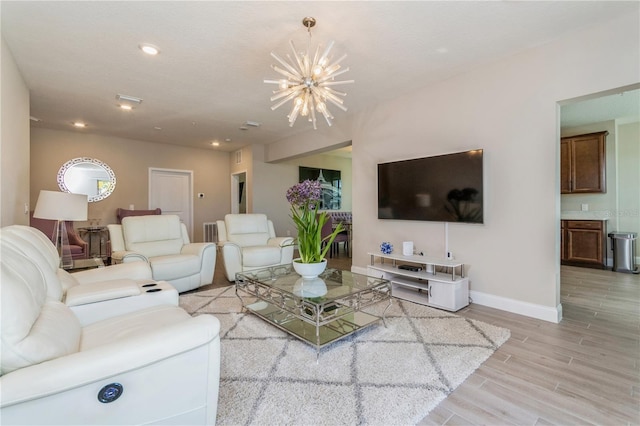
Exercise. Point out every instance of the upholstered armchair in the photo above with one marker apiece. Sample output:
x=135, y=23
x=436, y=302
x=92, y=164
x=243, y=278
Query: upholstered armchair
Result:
x=163, y=242
x=249, y=242
x=157, y=365
x=79, y=247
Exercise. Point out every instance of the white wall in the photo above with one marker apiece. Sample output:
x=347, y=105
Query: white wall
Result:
x=628, y=181
x=14, y=142
x=510, y=109
x=270, y=189
x=130, y=160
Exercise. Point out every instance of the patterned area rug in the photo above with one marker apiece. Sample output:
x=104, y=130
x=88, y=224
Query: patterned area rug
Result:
x=390, y=375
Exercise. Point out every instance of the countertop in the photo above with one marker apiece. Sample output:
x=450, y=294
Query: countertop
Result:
x=588, y=215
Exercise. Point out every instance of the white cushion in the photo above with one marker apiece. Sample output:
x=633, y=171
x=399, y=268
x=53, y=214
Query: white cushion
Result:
x=247, y=229
x=261, y=256
x=31, y=243
x=175, y=266
x=33, y=329
x=135, y=324
x=153, y=235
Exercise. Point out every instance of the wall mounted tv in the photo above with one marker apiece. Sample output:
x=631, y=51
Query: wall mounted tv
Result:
x=442, y=188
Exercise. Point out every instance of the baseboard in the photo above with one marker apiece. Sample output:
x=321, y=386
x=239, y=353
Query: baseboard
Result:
x=519, y=307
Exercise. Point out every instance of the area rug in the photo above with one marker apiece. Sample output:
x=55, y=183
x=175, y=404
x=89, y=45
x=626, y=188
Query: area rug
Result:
x=391, y=375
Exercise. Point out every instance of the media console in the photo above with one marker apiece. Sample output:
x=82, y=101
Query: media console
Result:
x=445, y=290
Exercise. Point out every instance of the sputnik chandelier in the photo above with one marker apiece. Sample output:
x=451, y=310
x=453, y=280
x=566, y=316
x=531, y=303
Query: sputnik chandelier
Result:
x=308, y=81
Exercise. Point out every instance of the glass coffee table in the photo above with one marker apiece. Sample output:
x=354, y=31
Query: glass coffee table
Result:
x=317, y=311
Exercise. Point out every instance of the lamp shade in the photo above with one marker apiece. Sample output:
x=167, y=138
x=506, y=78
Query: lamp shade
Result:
x=56, y=205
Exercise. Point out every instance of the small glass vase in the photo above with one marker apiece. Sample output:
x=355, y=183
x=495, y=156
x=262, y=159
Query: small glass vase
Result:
x=309, y=270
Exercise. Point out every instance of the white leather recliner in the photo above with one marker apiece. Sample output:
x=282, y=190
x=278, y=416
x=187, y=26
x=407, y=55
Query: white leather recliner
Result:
x=163, y=242
x=249, y=242
x=95, y=294
x=157, y=365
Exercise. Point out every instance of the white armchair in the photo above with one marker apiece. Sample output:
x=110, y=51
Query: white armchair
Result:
x=162, y=241
x=249, y=242
x=92, y=295
x=157, y=365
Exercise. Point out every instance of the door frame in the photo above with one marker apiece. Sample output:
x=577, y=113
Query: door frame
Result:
x=235, y=203
x=187, y=173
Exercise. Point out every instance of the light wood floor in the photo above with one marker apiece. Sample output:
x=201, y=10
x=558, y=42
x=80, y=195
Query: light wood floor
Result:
x=585, y=370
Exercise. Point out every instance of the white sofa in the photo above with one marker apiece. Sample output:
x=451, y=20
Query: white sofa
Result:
x=163, y=242
x=95, y=294
x=249, y=242
x=156, y=365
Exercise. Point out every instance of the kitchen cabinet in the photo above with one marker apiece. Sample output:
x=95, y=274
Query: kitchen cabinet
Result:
x=583, y=243
x=583, y=164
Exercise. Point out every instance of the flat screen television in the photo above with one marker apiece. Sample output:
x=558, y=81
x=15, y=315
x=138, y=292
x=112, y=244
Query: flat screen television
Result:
x=442, y=188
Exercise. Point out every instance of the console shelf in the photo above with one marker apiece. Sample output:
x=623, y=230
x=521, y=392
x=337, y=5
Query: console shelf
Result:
x=445, y=290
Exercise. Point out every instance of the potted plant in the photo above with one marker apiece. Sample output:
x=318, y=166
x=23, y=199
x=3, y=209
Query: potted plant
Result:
x=304, y=198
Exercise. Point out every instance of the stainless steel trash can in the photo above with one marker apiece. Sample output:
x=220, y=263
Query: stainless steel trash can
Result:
x=624, y=251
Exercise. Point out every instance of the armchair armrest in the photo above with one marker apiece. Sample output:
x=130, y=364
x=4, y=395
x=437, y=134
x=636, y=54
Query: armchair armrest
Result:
x=99, y=292
x=280, y=241
x=143, y=350
x=197, y=248
x=131, y=270
x=232, y=259
x=124, y=256
x=75, y=239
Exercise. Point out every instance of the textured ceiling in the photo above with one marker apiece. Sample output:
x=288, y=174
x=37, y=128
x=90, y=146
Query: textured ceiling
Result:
x=208, y=79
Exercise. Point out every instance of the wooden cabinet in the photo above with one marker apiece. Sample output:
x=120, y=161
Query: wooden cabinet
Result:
x=583, y=163
x=583, y=243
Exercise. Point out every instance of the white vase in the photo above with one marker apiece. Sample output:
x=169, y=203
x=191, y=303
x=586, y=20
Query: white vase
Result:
x=310, y=287
x=309, y=270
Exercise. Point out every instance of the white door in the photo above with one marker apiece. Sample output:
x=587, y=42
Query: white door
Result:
x=171, y=190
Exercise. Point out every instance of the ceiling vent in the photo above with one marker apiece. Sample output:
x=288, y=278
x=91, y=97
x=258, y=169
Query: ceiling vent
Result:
x=129, y=99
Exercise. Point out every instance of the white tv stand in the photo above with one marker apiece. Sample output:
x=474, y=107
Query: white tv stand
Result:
x=445, y=290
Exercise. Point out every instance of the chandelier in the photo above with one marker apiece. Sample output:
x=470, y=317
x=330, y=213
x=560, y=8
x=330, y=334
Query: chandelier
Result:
x=308, y=81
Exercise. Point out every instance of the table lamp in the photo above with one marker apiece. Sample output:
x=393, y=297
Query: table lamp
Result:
x=61, y=206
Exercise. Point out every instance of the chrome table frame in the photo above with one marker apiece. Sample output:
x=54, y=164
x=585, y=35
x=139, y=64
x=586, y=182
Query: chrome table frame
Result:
x=318, y=321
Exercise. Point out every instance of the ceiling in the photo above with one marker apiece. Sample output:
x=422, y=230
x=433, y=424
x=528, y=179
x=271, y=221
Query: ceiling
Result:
x=207, y=81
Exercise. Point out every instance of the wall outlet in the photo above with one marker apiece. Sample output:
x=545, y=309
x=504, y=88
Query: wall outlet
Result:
x=585, y=207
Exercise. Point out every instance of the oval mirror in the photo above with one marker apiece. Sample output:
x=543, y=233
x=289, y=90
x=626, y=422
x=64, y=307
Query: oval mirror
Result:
x=88, y=176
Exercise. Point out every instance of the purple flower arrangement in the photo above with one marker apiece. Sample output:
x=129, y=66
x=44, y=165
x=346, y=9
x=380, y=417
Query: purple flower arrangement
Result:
x=304, y=198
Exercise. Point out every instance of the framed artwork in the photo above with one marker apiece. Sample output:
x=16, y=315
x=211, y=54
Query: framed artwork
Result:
x=331, y=186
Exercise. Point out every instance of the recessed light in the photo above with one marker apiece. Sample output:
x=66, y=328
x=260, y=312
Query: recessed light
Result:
x=215, y=143
x=149, y=49
x=36, y=119
x=442, y=50
x=157, y=128
x=79, y=124
x=126, y=107
x=227, y=140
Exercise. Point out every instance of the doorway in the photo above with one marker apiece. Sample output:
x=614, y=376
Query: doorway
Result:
x=171, y=190
x=239, y=193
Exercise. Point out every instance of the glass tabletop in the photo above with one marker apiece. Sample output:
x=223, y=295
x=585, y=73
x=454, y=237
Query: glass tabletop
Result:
x=332, y=284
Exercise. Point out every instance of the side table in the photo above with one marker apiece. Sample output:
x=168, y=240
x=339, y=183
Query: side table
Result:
x=83, y=264
x=95, y=233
